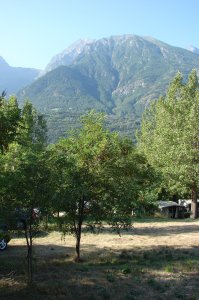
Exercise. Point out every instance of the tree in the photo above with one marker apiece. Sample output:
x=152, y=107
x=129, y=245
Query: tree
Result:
x=32, y=130
x=170, y=136
x=23, y=172
x=9, y=119
x=26, y=176
x=95, y=173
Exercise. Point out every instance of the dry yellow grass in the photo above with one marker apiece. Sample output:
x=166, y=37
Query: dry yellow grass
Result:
x=156, y=260
x=177, y=234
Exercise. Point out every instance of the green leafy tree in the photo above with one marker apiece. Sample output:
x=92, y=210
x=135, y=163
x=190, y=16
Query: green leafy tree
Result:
x=170, y=136
x=9, y=119
x=32, y=130
x=95, y=174
x=26, y=175
x=23, y=173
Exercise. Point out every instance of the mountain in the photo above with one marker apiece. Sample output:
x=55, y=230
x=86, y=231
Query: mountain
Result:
x=13, y=78
x=119, y=75
x=193, y=49
x=66, y=57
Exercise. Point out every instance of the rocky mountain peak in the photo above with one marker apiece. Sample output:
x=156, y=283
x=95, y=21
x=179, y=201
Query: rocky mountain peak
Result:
x=68, y=55
x=193, y=49
x=3, y=63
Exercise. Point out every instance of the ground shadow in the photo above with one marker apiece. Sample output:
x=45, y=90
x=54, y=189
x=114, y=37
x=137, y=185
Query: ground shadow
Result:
x=160, y=273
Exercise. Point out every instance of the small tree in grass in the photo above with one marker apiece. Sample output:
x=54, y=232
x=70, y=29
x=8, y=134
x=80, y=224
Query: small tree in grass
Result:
x=95, y=173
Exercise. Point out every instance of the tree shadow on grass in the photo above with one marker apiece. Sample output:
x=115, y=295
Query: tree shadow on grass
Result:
x=158, y=273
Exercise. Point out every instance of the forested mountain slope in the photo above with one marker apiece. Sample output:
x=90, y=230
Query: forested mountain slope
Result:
x=118, y=75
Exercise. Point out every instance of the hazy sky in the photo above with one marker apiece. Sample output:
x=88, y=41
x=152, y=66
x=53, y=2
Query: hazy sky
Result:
x=32, y=31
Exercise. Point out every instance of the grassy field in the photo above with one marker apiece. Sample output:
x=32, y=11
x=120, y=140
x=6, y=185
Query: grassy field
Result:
x=158, y=259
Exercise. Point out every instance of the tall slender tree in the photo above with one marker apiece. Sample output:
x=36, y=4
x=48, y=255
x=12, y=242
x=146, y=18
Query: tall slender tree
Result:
x=32, y=130
x=23, y=174
x=9, y=120
x=170, y=136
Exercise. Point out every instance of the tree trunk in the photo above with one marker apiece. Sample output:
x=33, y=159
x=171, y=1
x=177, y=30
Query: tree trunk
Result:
x=30, y=272
x=46, y=222
x=194, y=204
x=78, y=238
x=78, y=229
x=30, y=256
x=28, y=236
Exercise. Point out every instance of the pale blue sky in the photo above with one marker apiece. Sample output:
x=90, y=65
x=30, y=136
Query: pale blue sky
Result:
x=32, y=31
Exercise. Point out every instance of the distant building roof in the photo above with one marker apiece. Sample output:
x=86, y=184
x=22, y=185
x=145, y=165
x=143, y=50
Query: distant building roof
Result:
x=163, y=204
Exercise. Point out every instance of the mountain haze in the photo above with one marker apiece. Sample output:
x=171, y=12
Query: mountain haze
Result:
x=15, y=78
x=119, y=75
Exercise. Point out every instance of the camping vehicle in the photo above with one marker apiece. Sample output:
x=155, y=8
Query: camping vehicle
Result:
x=172, y=209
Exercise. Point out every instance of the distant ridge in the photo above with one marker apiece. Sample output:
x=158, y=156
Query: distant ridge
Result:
x=119, y=75
x=15, y=78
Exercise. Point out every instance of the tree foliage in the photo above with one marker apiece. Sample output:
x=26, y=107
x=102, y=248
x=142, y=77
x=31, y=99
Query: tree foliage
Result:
x=23, y=174
x=170, y=136
x=95, y=173
x=9, y=119
x=32, y=130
